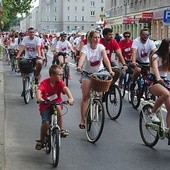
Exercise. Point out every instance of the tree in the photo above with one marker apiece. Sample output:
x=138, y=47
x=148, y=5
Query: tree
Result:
x=11, y=9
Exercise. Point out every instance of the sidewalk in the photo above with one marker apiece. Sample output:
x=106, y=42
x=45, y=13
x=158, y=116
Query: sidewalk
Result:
x=2, y=116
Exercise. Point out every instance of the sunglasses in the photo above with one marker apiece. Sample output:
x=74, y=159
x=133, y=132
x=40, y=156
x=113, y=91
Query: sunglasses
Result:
x=31, y=31
x=145, y=35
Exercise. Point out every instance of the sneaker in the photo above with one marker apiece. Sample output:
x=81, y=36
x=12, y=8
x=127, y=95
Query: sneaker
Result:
x=64, y=133
x=154, y=118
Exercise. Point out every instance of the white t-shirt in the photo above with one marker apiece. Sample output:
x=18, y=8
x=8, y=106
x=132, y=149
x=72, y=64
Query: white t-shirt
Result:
x=77, y=42
x=31, y=46
x=162, y=73
x=143, y=50
x=94, y=60
x=63, y=46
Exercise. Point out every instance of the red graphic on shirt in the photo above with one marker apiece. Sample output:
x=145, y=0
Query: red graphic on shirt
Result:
x=30, y=47
x=144, y=53
x=63, y=48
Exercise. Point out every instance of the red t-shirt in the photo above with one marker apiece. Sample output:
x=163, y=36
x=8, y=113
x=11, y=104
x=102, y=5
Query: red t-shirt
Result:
x=126, y=48
x=110, y=47
x=84, y=41
x=52, y=93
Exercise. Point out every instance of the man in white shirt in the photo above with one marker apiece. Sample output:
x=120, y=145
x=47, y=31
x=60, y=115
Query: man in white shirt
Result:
x=31, y=45
x=142, y=48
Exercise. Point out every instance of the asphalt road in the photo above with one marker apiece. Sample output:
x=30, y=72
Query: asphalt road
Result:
x=120, y=146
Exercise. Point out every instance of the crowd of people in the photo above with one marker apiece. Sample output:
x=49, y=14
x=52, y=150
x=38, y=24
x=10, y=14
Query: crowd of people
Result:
x=93, y=52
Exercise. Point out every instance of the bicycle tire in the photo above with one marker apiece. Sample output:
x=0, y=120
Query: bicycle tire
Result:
x=45, y=60
x=33, y=89
x=135, y=96
x=94, y=121
x=149, y=136
x=48, y=142
x=26, y=89
x=55, y=146
x=114, y=102
x=66, y=75
x=12, y=63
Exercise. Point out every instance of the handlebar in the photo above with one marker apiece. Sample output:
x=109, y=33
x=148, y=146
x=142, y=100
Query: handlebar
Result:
x=53, y=103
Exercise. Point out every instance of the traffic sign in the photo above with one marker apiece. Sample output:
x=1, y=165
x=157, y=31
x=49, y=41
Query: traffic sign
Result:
x=166, y=18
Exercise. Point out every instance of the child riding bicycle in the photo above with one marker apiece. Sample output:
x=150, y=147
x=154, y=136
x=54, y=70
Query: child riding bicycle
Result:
x=51, y=89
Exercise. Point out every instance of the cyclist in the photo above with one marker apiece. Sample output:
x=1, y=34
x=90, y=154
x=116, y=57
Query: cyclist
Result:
x=91, y=59
x=51, y=89
x=126, y=48
x=63, y=45
x=31, y=44
x=142, y=48
x=112, y=46
x=160, y=66
x=53, y=47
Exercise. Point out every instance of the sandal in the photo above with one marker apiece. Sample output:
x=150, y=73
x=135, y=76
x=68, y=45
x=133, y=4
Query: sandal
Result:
x=81, y=126
x=39, y=145
x=64, y=133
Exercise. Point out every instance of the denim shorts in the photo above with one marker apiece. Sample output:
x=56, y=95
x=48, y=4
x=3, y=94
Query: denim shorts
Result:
x=46, y=115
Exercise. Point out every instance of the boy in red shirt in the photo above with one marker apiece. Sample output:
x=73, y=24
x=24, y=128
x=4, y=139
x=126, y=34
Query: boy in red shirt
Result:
x=51, y=89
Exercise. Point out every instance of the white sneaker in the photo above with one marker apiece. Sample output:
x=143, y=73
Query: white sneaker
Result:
x=154, y=118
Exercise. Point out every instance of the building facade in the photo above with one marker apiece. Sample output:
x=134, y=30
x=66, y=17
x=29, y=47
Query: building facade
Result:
x=133, y=15
x=66, y=15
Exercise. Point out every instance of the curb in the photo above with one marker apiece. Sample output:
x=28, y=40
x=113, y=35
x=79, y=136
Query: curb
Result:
x=2, y=115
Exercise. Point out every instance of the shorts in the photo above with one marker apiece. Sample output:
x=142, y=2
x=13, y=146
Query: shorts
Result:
x=46, y=115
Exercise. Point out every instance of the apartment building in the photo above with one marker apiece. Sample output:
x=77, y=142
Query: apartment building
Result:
x=66, y=15
x=134, y=15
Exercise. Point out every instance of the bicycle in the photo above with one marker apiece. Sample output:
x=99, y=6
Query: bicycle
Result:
x=127, y=78
x=13, y=53
x=52, y=141
x=151, y=132
x=45, y=60
x=95, y=115
x=66, y=68
x=28, y=79
x=141, y=88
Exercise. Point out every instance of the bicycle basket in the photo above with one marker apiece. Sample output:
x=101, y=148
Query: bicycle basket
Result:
x=100, y=85
x=26, y=66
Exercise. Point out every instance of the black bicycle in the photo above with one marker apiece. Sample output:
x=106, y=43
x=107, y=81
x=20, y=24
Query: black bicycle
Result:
x=66, y=68
x=13, y=53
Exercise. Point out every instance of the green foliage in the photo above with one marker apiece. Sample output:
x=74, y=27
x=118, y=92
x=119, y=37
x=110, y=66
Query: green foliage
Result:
x=11, y=8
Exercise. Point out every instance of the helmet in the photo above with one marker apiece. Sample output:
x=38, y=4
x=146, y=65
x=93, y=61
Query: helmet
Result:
x=63, y=34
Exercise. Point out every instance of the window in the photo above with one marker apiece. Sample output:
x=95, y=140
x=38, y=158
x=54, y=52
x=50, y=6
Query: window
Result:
x=47, y=18
x=47, y=8
x=55, y=9
x=68, y=18
x=68, y=28
x=56, y=18
x=102, y=1
x=82, y=18
x=75, y=18
x=68, y=8
x=92, y=13
x=102, y=8
x=82, y=8
x=82, y=27
x=92, y=4
x=76, y=9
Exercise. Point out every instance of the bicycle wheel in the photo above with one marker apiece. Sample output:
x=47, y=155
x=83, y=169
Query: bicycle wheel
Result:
x=26, y=89
x=123, y=87
x=66, y=74
x=45, y=60
x=12, y=63
x=33, y=89
x=148, y=134
x=48, y=142
x=135, y=96
x=114, y=102
x=55, y=146
x=94, y=122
